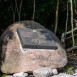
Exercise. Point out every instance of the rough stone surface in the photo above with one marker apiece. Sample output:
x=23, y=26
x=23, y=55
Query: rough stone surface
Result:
x=63, y=75
x=9, y=76
x=75, y=70
x=54, y=71
x=75, y=74
x=14, y=59
x=42, y=72
x=21, y=74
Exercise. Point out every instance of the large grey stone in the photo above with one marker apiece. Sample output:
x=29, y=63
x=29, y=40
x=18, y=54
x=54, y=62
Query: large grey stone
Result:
x=15, y=59
x=42, y=72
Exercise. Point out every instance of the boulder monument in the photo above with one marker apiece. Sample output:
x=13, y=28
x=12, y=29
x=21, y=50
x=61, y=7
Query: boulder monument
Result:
x=20, y=56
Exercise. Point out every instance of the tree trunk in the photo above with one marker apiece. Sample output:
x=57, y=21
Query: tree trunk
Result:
x=72, y=23
x=13, y=11
x=18, y=10
x=66, y=24
x=75, y=6
x=33, y=11
x=56, y=19
x=66, y=20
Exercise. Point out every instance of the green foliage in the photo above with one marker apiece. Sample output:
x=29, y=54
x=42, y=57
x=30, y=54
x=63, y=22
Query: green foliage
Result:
x=69, y=69
x=68, y=0
x=75, y=51
x=5, y=0
x=76, y=39
x=44, y=13
x=3, y=75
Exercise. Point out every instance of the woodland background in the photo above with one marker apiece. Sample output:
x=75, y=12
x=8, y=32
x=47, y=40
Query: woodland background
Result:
x=59, y=16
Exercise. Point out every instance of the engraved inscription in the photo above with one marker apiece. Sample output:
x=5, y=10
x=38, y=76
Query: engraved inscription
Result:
x=36, y=38
x=41, y=35
x=26, y=34
x=38, y=41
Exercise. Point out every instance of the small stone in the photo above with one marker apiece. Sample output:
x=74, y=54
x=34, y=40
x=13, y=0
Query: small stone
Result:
x=54, y=71
x=75, y=74
x=21, y=74
x=76, y=71
x=18, y=74
x=42, y=72
x=63, y=75
x=25, y=74
x=9, y=76
x=31, y=76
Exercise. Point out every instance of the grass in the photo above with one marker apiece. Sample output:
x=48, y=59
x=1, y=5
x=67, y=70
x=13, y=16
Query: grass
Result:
x=69, y=70
x=3, y=75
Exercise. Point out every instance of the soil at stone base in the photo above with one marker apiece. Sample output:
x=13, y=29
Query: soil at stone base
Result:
x=72, y=58
x=72, y=62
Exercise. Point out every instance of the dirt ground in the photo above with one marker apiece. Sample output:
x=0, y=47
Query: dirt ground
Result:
x=71, y=66
x=72, y=59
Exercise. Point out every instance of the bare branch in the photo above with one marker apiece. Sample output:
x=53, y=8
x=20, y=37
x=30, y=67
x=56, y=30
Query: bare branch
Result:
x=20, y=10
x=71, y=36
x=66, y=20
x=33, y=11
x=63, y=34
x=56, y=21
x=63, y=40
x=75, y=6
x=72, y=23
x=70, y=31
x=71, y=49
x=13, y=11
x=16, y=6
